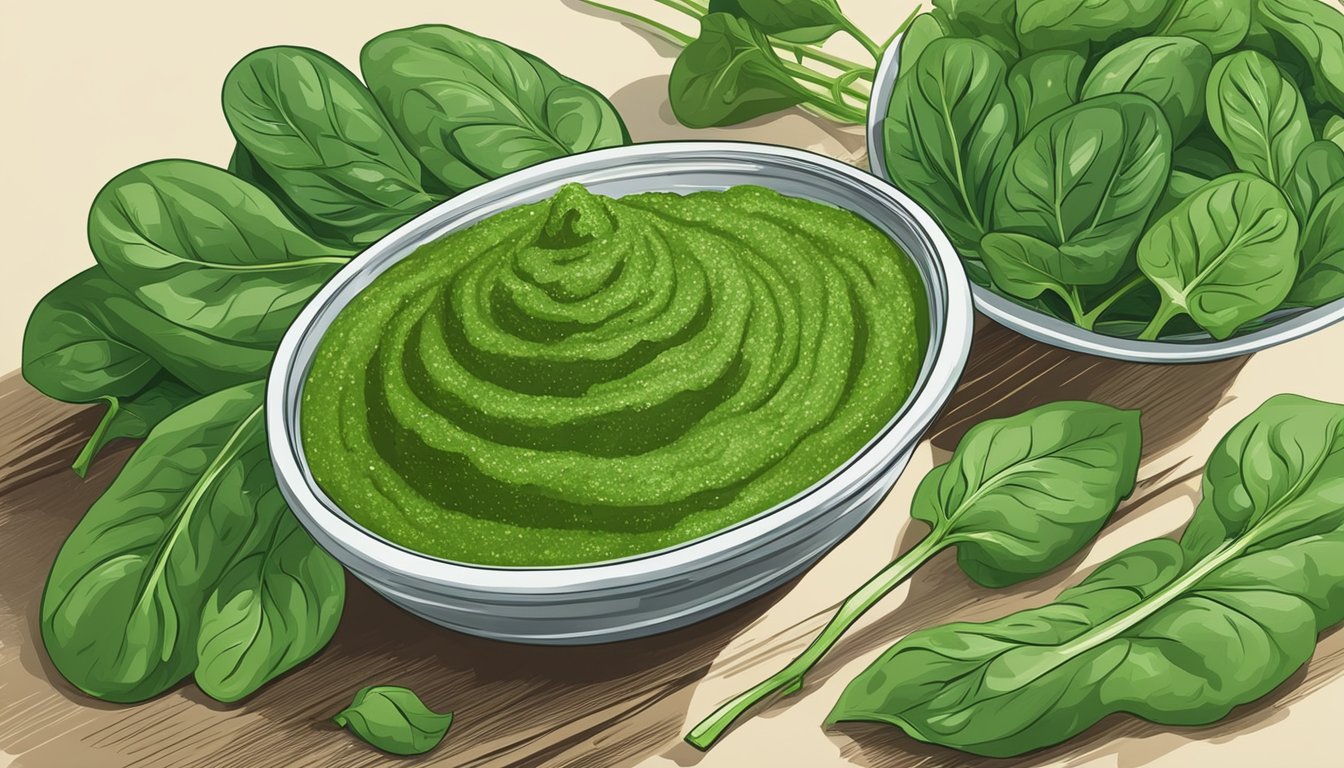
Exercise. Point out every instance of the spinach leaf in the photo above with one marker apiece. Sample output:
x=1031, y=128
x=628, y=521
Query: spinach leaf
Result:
x=1220, y=25
x=728, y=75
x=1043, y=84
x=1318, y=168
x=1018, y=497
x=1025, y=267
x=1086, y=179
x=133, y=416
x=1061, y=23
x=949, y=127
x=473, y=109
x=992, y=22
x=1175, y=633
x=1172, y=71
x=316, y=130
x=1180, y=185
x=1320, y=276
x=89, y=338
x=794, y=21
x=1334, y=130
x=925, y=28
x=1258, y=114
x=1224, y=256
x=275, y=606
x=123, y=607
x=394, y=720
x=207, y=250
x=1316, y=31
x=1203, y=154
x=243, y=165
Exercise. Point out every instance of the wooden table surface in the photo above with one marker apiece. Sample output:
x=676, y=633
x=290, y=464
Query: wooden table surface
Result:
x=628, y=704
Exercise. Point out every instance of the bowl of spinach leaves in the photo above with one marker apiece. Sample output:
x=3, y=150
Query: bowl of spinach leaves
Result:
x=1159, y=181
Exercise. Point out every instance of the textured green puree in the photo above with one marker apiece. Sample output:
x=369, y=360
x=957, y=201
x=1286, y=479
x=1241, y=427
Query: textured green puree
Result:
x=584, y=378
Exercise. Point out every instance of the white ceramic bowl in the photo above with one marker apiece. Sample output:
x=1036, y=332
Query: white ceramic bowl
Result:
x=670, y=588
x=1280, y=326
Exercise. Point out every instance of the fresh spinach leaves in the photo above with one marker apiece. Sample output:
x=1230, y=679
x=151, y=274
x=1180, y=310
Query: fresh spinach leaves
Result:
x=1019, y=496
x=1258, y=114
x=1172, y=71
x=1174, y=632
x=1321, y=266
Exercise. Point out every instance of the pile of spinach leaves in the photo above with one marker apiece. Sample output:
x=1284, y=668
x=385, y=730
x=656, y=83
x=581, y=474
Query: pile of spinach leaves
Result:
x=191, y=564
x=1145, y=169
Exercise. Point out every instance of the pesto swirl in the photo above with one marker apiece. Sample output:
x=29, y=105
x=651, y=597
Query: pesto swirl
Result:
x=583, y=378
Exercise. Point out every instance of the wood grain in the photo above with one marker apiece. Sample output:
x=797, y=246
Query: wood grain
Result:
x=627, y=703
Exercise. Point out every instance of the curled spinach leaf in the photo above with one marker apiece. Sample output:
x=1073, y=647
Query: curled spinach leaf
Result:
x=394, y=720
x=728, y=75
x=1224, y=256
x=1043, y=84
x=947, y=132
x=1175, y=633
x=161, y=560
x=207, y=251
x=316, y=130
x=473, y=109
x=1220, y=25
x=1258, y=113
x=1318, y=168
x=1320, y=277
x=1086, y=179
x=1172, y=71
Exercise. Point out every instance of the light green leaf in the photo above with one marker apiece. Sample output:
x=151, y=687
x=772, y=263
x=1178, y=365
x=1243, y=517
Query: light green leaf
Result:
x=394, y=720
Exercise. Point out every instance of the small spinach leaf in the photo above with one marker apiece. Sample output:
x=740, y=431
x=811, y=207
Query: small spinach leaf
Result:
x=924, y=29
x=1203, y=154
x=1025, y=267
x=1061, y=23
x=1258, y=113
x=1318, y=168
x=1172, y=71
x=473, y=109
x=1220, y=25
x=1087, y=178
x=947, y=131
x=1320, y=276
x=316, y=130
x=1224, y=256
x=207, y=250
x=1334, y=130
x=1174, y=633
x=1180, y=185
x=989, y=21
x=1043, y=84
x=394, y=720
x=729, y=74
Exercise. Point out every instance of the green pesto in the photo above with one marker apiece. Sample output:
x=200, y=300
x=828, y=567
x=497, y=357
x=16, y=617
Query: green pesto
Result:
x=583, y=378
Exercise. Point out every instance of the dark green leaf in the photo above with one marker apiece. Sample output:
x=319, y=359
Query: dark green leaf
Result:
x=473, y=109
x=1061, y=23
x=1316, y=31
x=1023, y=494
x=1220, y=25
x=1086, y=180
x=1258, y=114
x=133, y=416
x=316, y=130
x=796, y=21
x=89, y=339
x=1318, y=168
x=1225, y=255
x=992, y=22
x=947, y=131
x=1180, y=185
x=1172, y=71
x=728, y=75
x=394, y=720
x=1177, y=634
x=1043, y=84
x=1203, y=154
x=925, y=28
x=1320, y=276
x=207, y=251
x=1025, y=267
x=123, y=608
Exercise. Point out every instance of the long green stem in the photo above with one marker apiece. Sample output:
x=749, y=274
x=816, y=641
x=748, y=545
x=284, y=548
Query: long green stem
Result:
x=867, y=42
x=674, y=35
x=790, y=679
x=1165, y=313
x=85, y=457
x=1089, y=319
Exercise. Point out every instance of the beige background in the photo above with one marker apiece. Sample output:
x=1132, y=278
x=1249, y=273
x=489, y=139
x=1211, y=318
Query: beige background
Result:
x=95, y=90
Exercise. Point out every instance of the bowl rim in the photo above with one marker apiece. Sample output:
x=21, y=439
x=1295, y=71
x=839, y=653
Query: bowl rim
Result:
x=1065, y=335
x=949, y=348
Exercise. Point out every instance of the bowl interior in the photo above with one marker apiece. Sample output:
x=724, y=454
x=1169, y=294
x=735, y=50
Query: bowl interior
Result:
x=1277, y=327
x=673, y=167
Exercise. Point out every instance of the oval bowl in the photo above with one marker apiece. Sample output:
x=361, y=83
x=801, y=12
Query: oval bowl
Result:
x=1282, y=325
x=661, y=590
